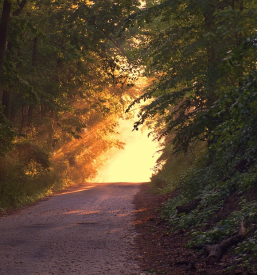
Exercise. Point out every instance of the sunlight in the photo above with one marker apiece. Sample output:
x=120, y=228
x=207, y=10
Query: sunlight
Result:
x=134, y=163
x=77, y=190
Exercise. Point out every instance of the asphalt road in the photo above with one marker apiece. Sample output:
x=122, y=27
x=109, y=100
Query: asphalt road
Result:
x=87, y=230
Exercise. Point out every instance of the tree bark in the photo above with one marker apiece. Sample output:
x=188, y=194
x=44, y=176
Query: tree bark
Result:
x=5, y=18
x=34, y=53
x=6, y=101
x=30, y=116
x=34, y=64
x=216, y=251
x=22, y=119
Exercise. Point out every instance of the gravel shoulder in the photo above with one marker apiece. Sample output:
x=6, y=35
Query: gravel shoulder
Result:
x=87, y=230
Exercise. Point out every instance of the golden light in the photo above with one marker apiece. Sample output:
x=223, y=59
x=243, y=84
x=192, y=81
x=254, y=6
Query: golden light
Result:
x=135, y=161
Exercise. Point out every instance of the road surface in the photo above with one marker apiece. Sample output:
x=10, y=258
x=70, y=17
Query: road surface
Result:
x=88, y=231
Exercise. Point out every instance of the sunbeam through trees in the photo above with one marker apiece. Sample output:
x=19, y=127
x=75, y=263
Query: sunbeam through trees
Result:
x=69, y=72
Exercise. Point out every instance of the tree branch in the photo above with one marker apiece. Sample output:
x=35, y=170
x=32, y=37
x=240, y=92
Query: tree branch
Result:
x=21, y=7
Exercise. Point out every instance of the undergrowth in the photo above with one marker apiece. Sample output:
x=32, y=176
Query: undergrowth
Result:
x=172, y=168
x=226, y=197
x=27, y=175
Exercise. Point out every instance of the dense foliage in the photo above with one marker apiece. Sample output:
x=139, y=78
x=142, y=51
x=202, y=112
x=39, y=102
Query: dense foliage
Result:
x=202, y=57
x=65, y=69
x=64, y=79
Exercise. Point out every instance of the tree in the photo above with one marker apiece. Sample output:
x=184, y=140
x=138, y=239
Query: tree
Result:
x=5, y=18
x=67, y=72
x=186, y=59
x=58, y=62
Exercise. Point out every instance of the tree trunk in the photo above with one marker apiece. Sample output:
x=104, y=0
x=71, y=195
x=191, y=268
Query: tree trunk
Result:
x=43, y=110
x=5, y=18
x=6, y=101
x=34, y=64
x=30, y=116
x=216, y=251
x=34, y=53
x=22, y=119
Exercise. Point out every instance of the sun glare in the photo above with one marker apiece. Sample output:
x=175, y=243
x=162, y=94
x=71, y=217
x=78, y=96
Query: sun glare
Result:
x=135, y=161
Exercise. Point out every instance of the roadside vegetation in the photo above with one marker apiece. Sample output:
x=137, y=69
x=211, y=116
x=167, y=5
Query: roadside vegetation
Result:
x=64, y=82
x=66, y=72
x=203, y=58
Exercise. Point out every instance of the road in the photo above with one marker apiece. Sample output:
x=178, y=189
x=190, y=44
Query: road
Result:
x=88, y=230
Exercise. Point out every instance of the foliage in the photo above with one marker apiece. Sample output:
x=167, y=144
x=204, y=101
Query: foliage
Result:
x=225, y=202
x=65, y=82
x=168, y=173
x=24, y=175
x=7, y=135
x=194, y=61
x=201, y=56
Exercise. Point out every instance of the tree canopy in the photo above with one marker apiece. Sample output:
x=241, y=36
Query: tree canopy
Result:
x=197, y=52
x=202, y=59
x=66, y=72
x=64, y=81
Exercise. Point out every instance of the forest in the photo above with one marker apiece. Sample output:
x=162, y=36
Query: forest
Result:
x=68, y=70
x=65, y=80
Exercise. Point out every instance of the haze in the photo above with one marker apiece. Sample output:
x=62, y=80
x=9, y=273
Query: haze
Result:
x=135, y=162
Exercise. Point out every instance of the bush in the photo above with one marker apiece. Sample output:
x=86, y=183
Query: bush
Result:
x=7, y=134
x=25, y=174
